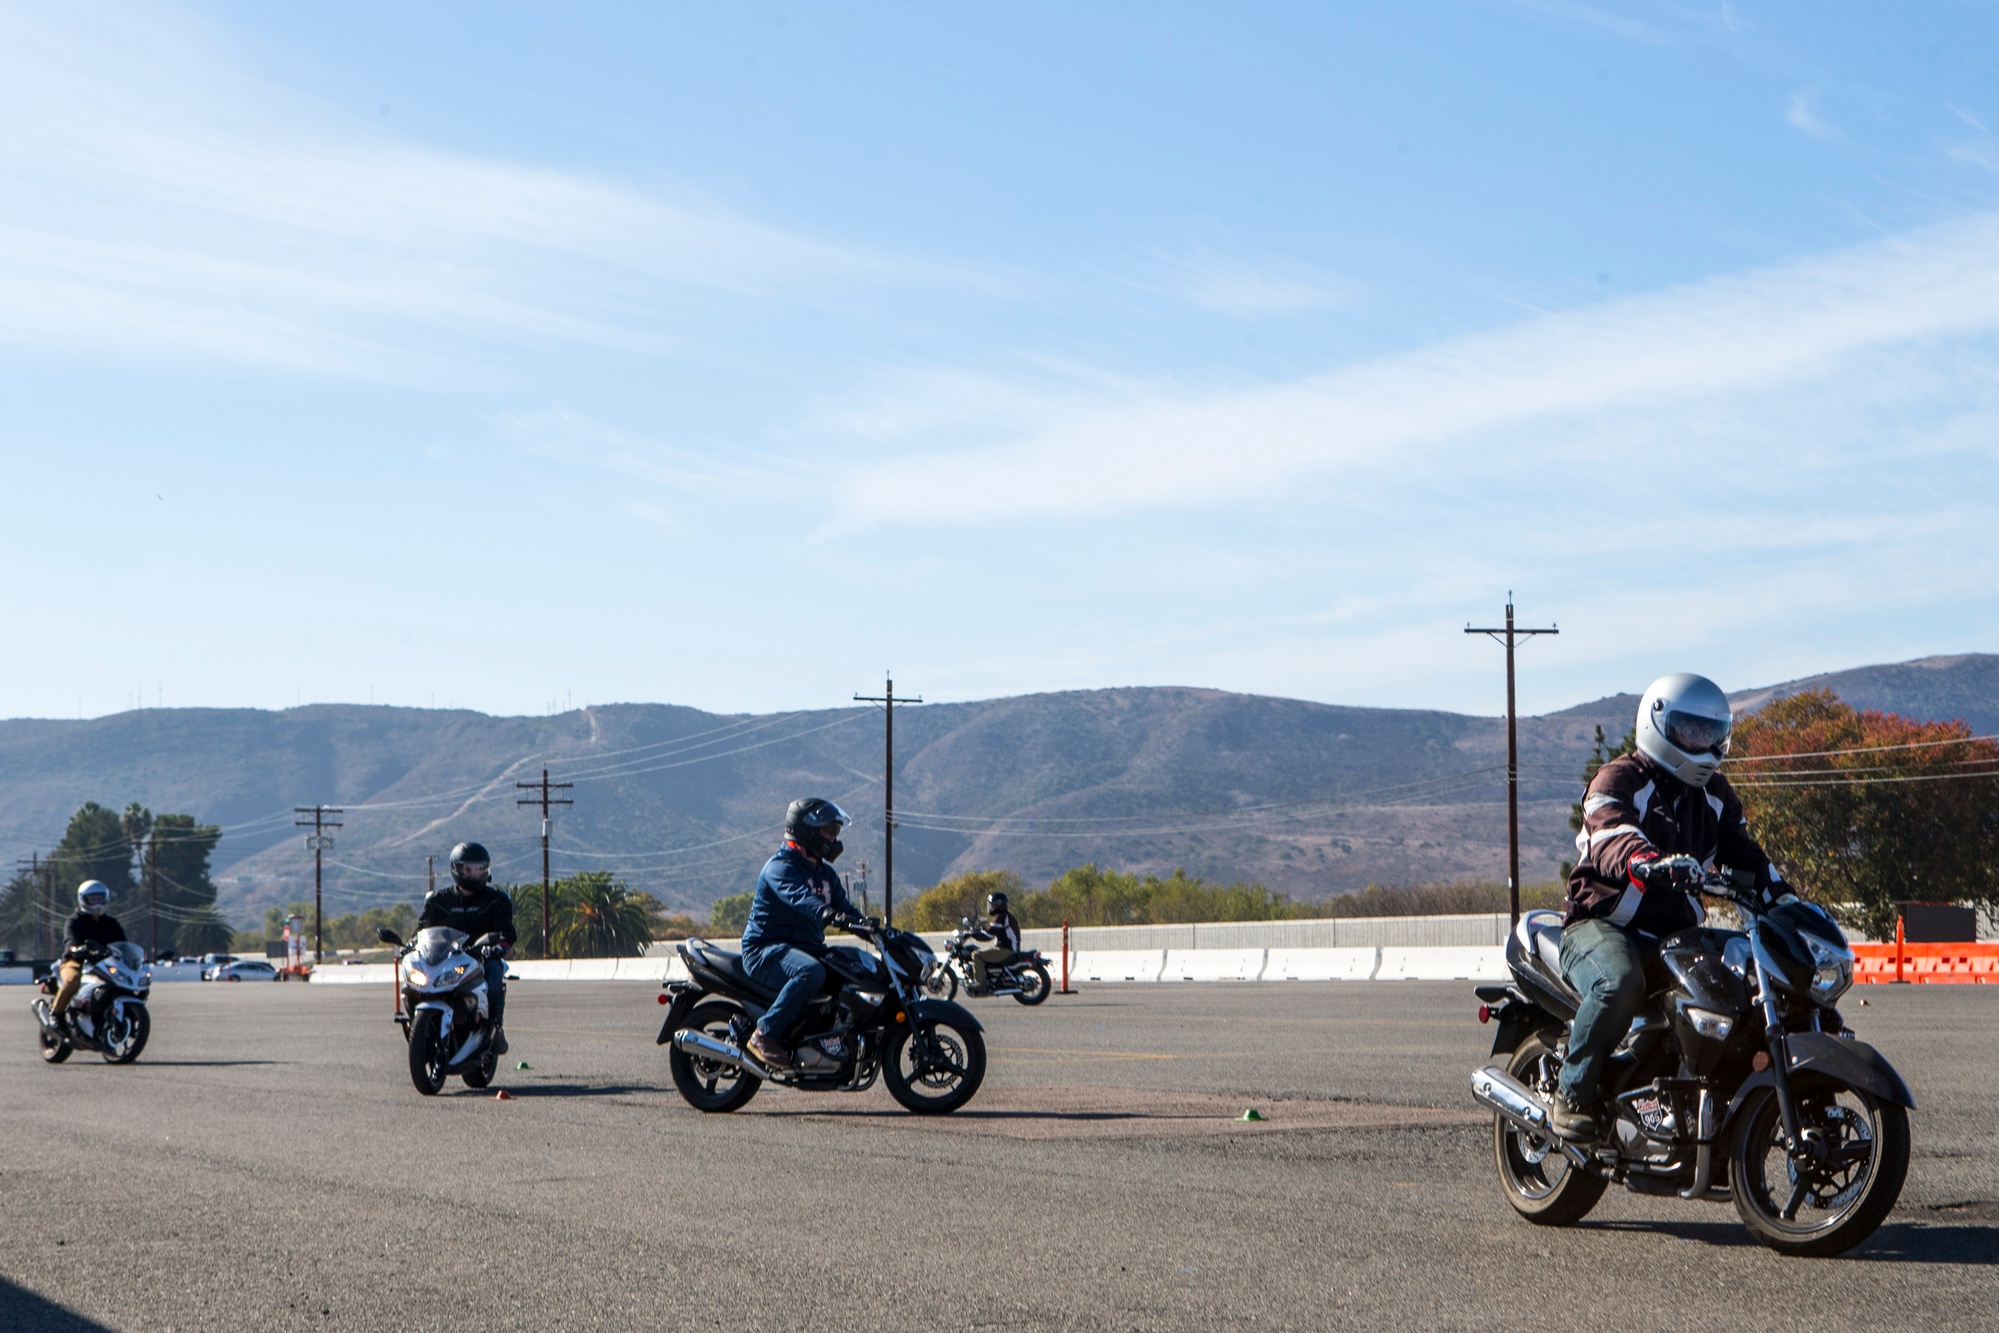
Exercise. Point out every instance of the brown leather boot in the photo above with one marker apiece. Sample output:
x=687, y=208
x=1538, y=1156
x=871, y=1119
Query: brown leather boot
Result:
x=768, y=1051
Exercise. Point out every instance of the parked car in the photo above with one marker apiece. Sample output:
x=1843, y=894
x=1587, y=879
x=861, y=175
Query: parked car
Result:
x=243, y=969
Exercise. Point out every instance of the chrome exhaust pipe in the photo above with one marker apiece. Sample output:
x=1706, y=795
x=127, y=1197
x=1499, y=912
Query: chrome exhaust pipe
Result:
x=1498, y=1091
x=692, y=1042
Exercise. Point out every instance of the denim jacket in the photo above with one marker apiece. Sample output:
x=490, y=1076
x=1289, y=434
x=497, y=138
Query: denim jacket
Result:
x=791, y=893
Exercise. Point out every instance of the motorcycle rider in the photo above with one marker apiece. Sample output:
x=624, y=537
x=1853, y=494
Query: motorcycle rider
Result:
x=92, y=924
x=1665, y=799
x=474, y=906
x=797, y=894
x=1003, y=931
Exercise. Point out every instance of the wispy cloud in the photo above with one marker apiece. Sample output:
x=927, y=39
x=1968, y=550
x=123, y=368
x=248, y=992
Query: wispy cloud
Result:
x=1801, y=110
x=1571, y=14
x=1243, y=289
x=1788, y=324
x=155, y=197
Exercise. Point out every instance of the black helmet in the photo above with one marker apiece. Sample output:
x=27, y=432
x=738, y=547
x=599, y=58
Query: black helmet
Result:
x=995, y=903
x=814, y=823
x=470, y=866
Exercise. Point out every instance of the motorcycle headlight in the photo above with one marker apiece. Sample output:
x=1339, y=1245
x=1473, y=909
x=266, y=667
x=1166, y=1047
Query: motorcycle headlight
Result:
x=1713, y=1026
x=1832, y=969
x=416, y=978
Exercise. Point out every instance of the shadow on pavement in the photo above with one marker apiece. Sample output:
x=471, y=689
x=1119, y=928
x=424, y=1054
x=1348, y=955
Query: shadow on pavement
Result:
x=208, y=1064
x=1895, y=1242
x=527, y=1090
x=22, y=1311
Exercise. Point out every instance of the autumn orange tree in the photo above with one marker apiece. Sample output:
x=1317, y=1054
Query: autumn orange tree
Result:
x=1866, y=809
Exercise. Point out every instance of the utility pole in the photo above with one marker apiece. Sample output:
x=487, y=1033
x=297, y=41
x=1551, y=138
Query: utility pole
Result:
x=153, y=884
x=544, y=801
x=32, y=863
x=430, y=874
x=1506, y=636
x=319, y=840
x=888, y=702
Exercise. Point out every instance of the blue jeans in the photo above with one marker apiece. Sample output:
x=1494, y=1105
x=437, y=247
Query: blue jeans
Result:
x=794, y=974
x=496, y=988
x=1606, y=965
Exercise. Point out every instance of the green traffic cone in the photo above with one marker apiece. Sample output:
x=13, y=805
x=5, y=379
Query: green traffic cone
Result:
x=522, y=1065
x=1252, y=1114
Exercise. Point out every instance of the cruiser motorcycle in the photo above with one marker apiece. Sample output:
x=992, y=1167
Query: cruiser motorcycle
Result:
x=1024, y=976
x=871, y=1020
x=1739, y=1080
x=108, y=1014
x=444, y=1013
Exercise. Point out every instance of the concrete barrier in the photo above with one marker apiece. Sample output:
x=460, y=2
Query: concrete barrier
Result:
x=1465, y=963
x=594, y=969
x=380, y=974
x=1118, y=965
x=1213, y=965
x=1322, y=965
x=17, y=976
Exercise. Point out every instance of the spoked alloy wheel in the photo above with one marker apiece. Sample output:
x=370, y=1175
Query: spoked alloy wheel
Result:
x=709, y=1085
x=56, y=1047
x=1540, y=1181
x=427, y=1052
x=934, y=1066
x=1829, y=1198
x=940, y=982
x=124, y=1040
x=1034, y=985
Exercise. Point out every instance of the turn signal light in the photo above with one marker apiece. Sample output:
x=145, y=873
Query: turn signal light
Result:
x=1760, y=1061
x=664, y=998
x=1485, y=1013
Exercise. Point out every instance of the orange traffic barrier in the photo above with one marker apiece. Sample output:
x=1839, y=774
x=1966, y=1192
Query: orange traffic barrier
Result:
x=1928, y=964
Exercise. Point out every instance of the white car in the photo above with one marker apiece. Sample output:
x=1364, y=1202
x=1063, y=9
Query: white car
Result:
x=243, y=969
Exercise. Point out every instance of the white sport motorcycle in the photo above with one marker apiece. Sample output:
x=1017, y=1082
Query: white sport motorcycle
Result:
x=446, y=1015
x=108, y=1013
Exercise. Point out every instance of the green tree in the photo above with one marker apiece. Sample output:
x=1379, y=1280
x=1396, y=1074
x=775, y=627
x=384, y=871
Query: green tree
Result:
x=731, y=913
x=94, y=846
x=601, y=918
x=1867, y=809
x=943, y=905
x=203, y=932
x=24, y=909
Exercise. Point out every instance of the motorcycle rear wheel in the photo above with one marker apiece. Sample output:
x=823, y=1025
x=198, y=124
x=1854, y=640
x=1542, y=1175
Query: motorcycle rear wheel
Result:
x=1872, y=1137
x=1035, y=985
x=1541, y=1183
x=941, y=1079
x=705, y=1084
x=480, y=1072
x=56, y=1047
x=427, y=1052
x=126, y=1051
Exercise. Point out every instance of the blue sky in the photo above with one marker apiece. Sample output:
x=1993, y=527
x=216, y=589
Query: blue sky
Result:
x=726, y=356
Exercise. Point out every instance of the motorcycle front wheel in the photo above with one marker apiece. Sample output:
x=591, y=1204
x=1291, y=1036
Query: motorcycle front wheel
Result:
x=1541, y=1182
x=122, y=1048
x=427, y=1052
x=708, y=1085
x=1034, y=985
x=1823, y=1202
x=934, y=1066
x=940, y=982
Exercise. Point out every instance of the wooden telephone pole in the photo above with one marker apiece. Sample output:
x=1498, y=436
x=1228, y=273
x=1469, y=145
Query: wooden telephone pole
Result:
x=1506, y=635
x=888, y=701
x=320, y=841
x=544, y=801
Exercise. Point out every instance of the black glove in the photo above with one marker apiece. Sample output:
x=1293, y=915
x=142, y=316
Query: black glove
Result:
x=1669, y=872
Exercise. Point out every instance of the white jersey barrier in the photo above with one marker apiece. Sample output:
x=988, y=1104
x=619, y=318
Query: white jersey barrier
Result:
x=1388, y=963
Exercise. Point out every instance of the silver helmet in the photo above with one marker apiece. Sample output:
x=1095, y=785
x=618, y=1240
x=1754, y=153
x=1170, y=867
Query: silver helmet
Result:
x=1683, y=726
x=93, y=897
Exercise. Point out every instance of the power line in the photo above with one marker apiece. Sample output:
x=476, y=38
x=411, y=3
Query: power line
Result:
x=1858, y=749
x=887, y=700
x=319, y=841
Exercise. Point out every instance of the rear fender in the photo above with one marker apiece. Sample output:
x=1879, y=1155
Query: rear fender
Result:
x=684, y=999
x=943, y=1011
x=1519, y=1017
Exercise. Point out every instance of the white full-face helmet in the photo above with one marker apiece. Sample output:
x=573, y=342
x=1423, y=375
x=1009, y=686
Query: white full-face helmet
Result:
x=93, y=897
x=1683, y=725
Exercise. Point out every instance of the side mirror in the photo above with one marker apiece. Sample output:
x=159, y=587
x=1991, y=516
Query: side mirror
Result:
x=964, y=923
x=489, y=938
x=387, y=936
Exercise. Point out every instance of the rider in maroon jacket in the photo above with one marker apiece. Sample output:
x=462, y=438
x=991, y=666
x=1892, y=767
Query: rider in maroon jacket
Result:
x=1665, y=800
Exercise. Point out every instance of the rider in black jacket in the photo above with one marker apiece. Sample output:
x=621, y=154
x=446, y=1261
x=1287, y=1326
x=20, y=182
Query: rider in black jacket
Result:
x=91, y=925
x=474, y=906
x=1003, y=932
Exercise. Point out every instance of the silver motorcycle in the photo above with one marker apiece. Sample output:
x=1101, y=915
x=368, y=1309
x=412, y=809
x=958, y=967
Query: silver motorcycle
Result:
x=108, y=1014
x=444, y=1011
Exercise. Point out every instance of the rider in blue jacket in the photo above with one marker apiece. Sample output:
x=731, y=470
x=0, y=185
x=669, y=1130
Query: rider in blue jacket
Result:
x=798, y=893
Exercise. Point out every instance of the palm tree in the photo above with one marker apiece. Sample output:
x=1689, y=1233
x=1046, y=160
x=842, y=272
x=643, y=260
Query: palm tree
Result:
x=600, y=918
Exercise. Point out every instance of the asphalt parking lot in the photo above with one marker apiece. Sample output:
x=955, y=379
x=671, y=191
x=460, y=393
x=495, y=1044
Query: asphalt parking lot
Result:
x=266, y=1164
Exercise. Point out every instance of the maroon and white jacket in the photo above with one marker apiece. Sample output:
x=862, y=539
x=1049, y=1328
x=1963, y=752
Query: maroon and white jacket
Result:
x=1635, y=810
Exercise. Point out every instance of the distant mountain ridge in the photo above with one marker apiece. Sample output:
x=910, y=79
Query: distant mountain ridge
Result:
x=1311, y=799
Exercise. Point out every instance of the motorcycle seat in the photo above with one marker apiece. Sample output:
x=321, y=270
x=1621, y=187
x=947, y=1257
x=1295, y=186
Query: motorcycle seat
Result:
x=1541, y=935
x=729, y=966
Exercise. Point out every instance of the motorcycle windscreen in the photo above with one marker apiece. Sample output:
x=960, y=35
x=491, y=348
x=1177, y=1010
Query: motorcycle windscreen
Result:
x=436, y=943
x=129, y=954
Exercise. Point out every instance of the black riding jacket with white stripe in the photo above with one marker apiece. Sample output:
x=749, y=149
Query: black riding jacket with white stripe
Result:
x=1634, y=807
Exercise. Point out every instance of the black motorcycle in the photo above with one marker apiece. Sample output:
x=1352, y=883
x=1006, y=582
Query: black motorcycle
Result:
x=871, y=1019
x=1738, y=1080
x=1024, y=976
